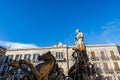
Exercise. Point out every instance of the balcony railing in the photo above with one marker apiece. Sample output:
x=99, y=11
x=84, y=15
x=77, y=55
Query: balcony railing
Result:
x=115, y=58
x=60, y=59
x=108, y=78
x=94, y=58
x=106, y=70
x=111, y=71
x=117, y=70
x=99, y=70
x=105, y=58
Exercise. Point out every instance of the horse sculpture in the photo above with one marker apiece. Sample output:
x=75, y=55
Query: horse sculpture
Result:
x=44, y=72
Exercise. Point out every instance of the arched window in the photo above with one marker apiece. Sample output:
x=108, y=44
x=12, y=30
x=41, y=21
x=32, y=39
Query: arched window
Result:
x=27, y=57
x=116, y=66
x=35, y=57
x=106, y=68
x=92, y=54
x=112, y=54
x=57, y=55
x=10, y=58
x=18, y=57
x=102, y=53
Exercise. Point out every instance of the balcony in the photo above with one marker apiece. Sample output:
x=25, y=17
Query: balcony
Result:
x=94, y=58
x=60, y=59
x=106, y=70
x=109, y=71
x=108, y=78
x=105, y=58
x=115, y=58
x=117, y=70
x=99, y=70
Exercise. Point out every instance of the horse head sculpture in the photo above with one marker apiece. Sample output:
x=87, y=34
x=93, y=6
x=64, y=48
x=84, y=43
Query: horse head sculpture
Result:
x=49, y=60
x=46, y=57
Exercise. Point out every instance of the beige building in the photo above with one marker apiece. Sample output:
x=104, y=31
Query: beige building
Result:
x=2, y=51
x=107, y=60
x=2, y=55
x=105, y=57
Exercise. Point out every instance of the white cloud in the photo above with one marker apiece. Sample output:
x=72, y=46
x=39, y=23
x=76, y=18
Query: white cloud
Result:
x=110, y=34
x=16, y=45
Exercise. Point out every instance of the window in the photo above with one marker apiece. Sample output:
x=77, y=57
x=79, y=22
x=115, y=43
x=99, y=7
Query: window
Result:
x=118, y=77
x=102, y=53
x=92, y=55
x=1, y=68
x=59, y=55
x=113, y=57
x=6, y=59
x=112, y=54
x=105, y=66
x=103, y=57
x=27, y=57
x=35, y=57
x=10, y=58
x=109, y=78
x=116, y=66
x=5, y=69
x=18, y=57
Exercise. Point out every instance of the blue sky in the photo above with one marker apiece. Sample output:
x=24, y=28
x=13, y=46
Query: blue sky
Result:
x=46, y=22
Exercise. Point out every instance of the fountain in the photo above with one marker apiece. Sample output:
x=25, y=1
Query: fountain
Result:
x=82, y=69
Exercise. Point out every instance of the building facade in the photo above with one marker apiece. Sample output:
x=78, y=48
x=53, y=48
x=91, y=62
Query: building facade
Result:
x=106, y=58
x=2, y=51
x=2, y=55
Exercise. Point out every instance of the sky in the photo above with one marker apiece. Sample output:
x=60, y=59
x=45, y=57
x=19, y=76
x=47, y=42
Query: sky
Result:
x=39, y=23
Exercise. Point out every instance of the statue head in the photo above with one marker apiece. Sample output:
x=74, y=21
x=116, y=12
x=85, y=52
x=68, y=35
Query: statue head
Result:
x=77, y=30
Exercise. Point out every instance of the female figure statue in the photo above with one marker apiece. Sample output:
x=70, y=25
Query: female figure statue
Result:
x=79, y=41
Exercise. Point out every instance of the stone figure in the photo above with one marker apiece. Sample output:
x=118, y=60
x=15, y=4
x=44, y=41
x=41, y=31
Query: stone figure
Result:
x=79, y=41
x=77, y=70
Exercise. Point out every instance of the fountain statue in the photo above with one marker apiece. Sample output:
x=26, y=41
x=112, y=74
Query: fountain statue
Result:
x=82, y=69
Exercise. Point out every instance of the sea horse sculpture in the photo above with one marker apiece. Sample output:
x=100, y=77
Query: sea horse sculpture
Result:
x=42, y=73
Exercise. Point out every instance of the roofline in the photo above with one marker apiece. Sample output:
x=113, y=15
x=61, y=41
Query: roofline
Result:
x=35, y=48
x=51, y=47
x=100, y=45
